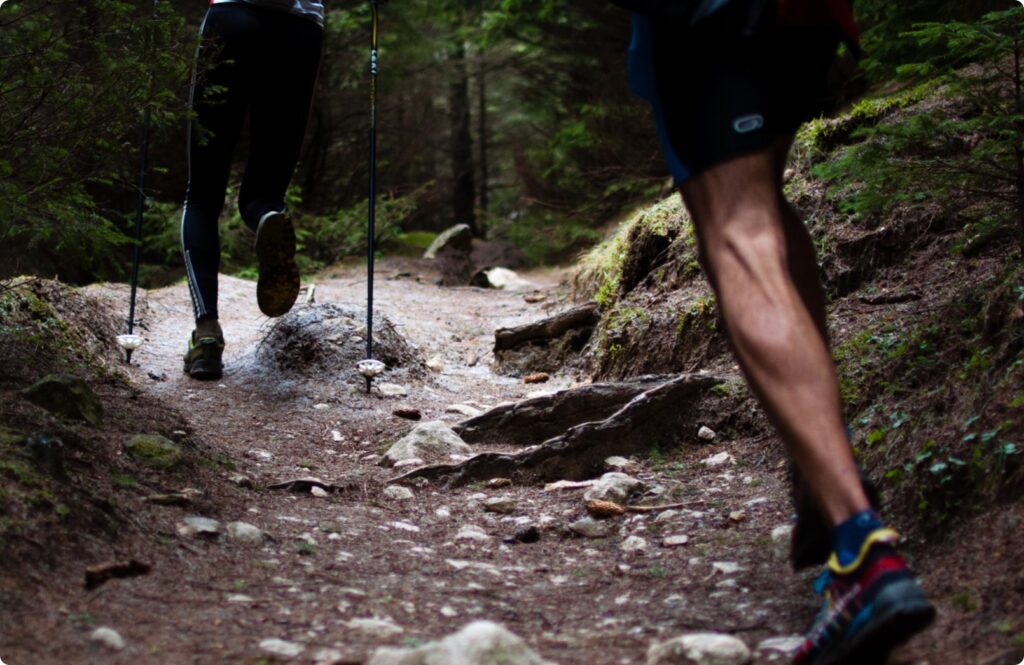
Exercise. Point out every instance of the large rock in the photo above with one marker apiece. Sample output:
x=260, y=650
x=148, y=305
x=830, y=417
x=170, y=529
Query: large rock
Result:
x=615, y=487
x=154, y=451
x=452, y=250
x=66, y=396
x=699, y=649
x=430, y=441
x=479, y=643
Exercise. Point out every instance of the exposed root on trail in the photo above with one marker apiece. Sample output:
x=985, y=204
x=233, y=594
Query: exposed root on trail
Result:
x=654, y=417
x=534, y=421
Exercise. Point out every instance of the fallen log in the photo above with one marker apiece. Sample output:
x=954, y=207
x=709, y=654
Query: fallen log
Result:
x=584, y=316
x=656, y=416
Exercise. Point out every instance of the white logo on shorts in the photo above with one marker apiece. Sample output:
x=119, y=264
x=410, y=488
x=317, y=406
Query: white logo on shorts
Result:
x=752, y=123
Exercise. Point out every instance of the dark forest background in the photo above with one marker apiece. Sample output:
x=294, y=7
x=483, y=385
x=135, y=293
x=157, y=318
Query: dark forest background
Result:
x=512, y=116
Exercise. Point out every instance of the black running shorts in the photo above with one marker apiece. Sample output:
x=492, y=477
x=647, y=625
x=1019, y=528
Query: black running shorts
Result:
x=716, y=95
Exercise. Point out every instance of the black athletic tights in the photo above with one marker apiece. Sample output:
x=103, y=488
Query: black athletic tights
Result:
x=263, y=62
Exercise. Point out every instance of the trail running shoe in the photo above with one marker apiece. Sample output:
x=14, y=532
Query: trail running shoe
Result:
x=278, y=285
x=811, y=542
x=203, y=358
x=871, y=606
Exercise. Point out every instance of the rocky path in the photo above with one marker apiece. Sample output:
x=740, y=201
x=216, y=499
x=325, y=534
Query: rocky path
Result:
x=330, y=577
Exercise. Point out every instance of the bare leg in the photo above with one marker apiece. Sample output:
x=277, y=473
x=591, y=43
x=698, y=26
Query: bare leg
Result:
x=752, y=261
x=802, y=260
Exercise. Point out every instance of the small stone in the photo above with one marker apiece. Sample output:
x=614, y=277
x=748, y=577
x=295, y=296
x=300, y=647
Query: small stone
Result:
x=497, y=483
x=621, y=464
x=244, y=532
x=182, y=498
x=321, y=407
x=392, y=390
x=108, y=637
x=435, y=364
x=259, y=455
x=240, y=480
x=675, y=541
x=503, y=505
x=464, y=410
x=539, y=377
x=665, y=516
x=479, y=643
x=154, y=451
x=408, y=413
x=706, y=433
x=604, y=509
x=336, y=436
x=472, y=532
x=432, y=440
x=525, y=534
x=156, y=375
x=782, y=533
x=443, y=513
x=784, y=645
x=412, y=461
x=328, y=657
x=726, y=567
x=588, y=527
x=737, y=516
x=448, y=611
x=240, y=598
x=199, y=527
x=382, y=629
x=534, y=298
x=615, y=487
x=633, y=544
x=282, y=648
x=319, y=492
x=699, y=649
x=718, y=460
x=398, y=493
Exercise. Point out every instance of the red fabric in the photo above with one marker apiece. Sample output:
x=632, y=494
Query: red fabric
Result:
x=820, y=12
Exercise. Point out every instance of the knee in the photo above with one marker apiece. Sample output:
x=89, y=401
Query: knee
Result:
x=749, y=238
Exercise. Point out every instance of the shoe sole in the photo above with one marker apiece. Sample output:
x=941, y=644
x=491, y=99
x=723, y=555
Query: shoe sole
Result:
x=203, y=369
x=278, y=284
x=903, y=613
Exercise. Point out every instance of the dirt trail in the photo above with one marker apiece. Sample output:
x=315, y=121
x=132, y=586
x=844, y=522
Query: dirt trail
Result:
x=358, y=555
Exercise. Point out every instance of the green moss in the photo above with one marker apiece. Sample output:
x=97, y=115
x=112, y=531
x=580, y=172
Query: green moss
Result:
x=67, y=397
x=20, y=471
x=123, y=480
x=154, y=451
x=601, y=269
x=10, y=438
x=824, y=134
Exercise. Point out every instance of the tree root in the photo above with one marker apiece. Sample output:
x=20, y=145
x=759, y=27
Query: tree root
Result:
x=656, y=417
x=534, y=421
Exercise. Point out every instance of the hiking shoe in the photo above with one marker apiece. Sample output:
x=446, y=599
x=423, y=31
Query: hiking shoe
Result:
x=278, y=285
x=203, y=358
x=811, y=542
x=871, y=606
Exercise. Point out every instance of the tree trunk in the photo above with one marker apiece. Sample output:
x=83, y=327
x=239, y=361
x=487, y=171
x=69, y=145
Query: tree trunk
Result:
x=482, y=133
x=461, y=147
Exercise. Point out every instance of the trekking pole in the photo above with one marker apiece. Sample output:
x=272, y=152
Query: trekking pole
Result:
x=131, y=341
x=371, y=368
